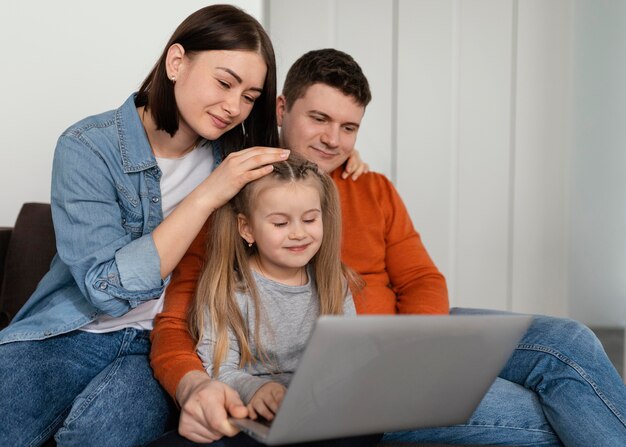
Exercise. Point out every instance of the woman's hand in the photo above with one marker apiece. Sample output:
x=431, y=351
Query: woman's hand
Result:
x=205, y=406
x=266, y=401
x=240, y=168
x=355, y=166
x=174, y=235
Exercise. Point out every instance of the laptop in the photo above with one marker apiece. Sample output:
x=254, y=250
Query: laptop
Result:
x=372, y=374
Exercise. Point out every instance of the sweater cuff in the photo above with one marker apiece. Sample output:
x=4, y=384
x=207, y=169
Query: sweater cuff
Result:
x=172, y=377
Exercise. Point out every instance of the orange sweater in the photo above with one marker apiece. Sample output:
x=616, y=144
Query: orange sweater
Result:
x=379, y=243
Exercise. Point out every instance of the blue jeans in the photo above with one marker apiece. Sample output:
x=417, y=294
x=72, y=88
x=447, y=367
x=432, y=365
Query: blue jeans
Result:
x=558, y=388
x=84, y=389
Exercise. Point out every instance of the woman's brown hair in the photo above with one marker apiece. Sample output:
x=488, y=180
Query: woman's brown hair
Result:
x=217, y=27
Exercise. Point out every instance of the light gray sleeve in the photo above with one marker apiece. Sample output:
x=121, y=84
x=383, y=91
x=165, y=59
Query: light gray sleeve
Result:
x=237, y=377
x=348, y=306
x=230, y=373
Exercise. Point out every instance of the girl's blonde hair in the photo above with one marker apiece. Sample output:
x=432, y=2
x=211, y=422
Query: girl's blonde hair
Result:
x=227, y=268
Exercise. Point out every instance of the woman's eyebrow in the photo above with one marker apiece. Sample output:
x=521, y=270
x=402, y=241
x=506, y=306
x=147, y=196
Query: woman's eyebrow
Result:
x=238, y=78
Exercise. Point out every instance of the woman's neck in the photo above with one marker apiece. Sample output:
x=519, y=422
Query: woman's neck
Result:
x=287, y=276
x=163, y=144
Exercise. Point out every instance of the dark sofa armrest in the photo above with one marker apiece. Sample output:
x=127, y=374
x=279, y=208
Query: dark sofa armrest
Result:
x=5, y=235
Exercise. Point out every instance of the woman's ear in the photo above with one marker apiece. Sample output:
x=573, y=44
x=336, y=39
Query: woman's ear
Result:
x=245, y=231
x=174, y=61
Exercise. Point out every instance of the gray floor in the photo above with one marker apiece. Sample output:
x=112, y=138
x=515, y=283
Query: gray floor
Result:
x=613, y=340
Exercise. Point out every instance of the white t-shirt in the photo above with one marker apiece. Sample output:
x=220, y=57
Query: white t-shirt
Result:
x=179, y=177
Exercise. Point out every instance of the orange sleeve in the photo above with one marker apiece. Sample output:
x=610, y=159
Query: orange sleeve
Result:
x=173, y=351
x=419, y=286
x=381, y=244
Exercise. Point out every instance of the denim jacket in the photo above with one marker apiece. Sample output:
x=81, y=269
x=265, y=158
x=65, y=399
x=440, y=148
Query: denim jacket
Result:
x=106, y=201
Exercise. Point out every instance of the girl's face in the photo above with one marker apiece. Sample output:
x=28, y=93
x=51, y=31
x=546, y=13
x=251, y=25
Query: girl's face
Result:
x=285, y=224
x=215, y=90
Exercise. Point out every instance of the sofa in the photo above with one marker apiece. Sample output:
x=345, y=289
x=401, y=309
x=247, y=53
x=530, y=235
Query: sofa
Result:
x=26, y=251
x=25, y=254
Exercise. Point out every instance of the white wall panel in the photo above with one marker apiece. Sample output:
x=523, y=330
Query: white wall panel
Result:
x=426, y=125
x=484, y=153
x=296, y=26
x=597, y=269
x=543, y=73
x=364, y=30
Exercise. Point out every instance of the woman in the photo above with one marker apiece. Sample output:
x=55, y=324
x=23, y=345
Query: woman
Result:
x=131, y=189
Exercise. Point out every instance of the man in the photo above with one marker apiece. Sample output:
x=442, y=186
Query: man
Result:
x=558, y=363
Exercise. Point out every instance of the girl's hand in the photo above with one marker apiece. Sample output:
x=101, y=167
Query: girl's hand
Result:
x=240, y=168
x=266, y=401
x=355, y=166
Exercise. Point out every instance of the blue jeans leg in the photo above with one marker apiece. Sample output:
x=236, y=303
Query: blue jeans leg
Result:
x=85, y=381
x=580, y=391
x=123, y=405
x=38, y=383
x=507, y=415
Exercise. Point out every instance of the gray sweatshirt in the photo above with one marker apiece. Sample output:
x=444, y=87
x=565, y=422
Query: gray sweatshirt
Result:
x=289, y=314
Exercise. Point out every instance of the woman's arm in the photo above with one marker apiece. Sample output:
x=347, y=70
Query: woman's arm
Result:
x=354, y=166
x=98, y=235
x=101, y=234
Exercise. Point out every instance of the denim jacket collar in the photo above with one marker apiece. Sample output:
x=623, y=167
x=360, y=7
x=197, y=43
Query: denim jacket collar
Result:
x=134, y=146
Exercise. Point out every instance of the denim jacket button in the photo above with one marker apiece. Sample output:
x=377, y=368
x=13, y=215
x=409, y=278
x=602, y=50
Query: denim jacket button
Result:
x=155, y=199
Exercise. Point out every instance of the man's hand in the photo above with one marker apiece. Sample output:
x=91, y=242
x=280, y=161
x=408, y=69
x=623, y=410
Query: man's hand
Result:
x=355, y=166
x=206, y=405
x=266, y=401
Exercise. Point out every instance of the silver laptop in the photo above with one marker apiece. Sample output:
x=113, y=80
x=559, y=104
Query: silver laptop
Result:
x=373, y=374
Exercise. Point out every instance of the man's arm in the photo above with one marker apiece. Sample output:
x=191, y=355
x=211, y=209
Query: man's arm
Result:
x=173, y=352
x=419, y=285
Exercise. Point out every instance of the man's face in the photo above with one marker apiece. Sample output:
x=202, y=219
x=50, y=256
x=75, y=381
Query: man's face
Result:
x=321, y=126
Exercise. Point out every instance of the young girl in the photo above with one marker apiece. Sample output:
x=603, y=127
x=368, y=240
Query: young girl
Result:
x=273, y=266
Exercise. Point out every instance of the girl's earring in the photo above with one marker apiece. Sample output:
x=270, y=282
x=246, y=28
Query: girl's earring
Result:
x=250, y=244
x=173, y=78
x=243, y=129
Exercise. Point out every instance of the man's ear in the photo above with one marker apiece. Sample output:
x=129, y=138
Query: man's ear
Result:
x=281, y=105
x=173, y=61
x=243, y=225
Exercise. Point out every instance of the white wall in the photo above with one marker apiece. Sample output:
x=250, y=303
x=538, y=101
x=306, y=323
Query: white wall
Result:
x=598, y=185
x=64, y=60
x=472, y=118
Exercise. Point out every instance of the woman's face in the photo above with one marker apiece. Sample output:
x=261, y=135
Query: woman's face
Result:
x=216, y=90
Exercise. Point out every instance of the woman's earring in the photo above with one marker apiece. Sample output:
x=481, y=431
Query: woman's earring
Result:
x=250, y=244
x=173, y=78
x=243, y=129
